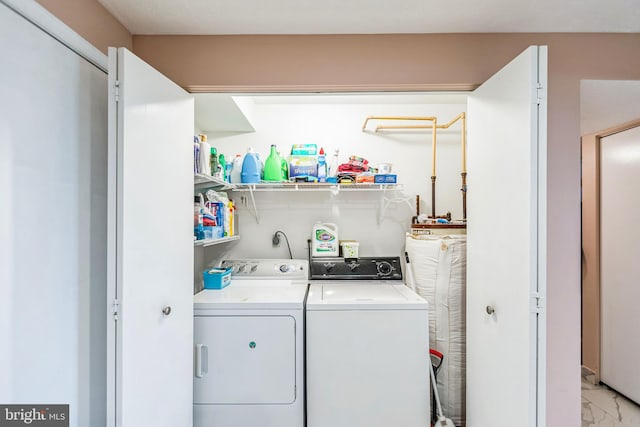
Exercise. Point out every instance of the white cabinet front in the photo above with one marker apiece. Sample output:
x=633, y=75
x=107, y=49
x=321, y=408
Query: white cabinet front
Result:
x=245, y=360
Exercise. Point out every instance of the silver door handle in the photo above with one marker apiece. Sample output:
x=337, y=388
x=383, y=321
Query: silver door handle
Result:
x=166, y=310
x=490, y=310
x=201, y=360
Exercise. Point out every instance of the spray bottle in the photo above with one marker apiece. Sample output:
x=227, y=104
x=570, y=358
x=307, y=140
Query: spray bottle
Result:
x=322, y=166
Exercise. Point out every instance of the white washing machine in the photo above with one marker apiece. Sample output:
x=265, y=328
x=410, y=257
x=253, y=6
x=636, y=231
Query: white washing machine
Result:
x=367, y=346
x=249, y=347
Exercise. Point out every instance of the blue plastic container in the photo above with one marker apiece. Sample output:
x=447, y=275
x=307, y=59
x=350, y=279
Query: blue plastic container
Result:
x=251, y=168
x=217, y=278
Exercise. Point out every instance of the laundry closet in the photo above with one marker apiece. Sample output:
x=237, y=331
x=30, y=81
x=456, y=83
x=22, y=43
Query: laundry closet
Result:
x=351, y=294
x=506, y=158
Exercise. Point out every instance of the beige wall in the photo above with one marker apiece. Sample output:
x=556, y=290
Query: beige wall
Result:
x=92, y=21
x=415, y=61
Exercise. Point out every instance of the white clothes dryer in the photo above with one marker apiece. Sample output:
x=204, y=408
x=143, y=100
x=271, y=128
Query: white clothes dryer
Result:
x=249, y=347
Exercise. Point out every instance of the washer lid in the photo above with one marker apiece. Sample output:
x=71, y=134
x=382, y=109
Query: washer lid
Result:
x=363, y=297
x=251, y=297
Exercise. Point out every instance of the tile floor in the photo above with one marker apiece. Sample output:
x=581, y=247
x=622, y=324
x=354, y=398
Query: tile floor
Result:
x=602, y=407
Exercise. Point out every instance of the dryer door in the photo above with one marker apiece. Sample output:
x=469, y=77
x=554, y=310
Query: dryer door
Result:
x=245, y=360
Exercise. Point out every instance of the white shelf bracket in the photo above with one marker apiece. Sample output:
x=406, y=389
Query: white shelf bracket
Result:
x=253, y=204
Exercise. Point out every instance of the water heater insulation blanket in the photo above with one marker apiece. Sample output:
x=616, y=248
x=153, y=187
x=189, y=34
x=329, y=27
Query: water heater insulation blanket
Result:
x=438, y=264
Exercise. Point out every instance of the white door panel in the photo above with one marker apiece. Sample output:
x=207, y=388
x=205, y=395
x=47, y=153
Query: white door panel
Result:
x=619, y=239
x=150, y=246
x=254, y=357
x=506, y=152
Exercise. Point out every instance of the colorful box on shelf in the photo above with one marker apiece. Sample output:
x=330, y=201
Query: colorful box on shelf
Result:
x=385, y=178
x=217, y=278
x=210, y=232
x=304, y=150
x=303, y=166
x=365, y=179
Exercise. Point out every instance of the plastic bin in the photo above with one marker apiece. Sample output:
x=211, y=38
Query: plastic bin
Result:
x=217, y=278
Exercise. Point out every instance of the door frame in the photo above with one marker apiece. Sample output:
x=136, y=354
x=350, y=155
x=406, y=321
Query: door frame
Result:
x=590, y=218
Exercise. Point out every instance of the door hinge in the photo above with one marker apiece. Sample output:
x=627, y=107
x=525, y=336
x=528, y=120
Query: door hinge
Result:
x=115, y=309
x=537, y=302
x=539, y=93
x=116, y=90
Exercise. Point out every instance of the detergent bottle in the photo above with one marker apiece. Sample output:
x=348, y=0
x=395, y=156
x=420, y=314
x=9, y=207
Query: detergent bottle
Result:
x=251, y=167
x=273, y=166
x=324, y=239
x=236, y=170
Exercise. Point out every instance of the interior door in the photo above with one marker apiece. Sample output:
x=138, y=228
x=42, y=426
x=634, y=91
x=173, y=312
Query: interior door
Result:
x=619, y=270
x=150, y=247
x=506, y=245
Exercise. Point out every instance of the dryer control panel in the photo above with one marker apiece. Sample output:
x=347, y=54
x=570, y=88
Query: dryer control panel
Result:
x=294, y=269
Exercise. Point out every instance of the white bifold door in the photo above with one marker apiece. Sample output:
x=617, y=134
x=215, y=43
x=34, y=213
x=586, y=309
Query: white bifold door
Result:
x=150, y=258
x=506, y=245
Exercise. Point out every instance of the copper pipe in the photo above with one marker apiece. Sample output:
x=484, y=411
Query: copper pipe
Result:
x=433, y=197
x=364, y=126
x=414, y=220
x=433, y=147
x=463, y=174
x=433, y=126
x=442, y=126
x=463, y=116
x=407, y=127
x=464, y=195
x=433, y=167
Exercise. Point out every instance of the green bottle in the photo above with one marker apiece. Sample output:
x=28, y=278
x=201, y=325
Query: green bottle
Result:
x=284, y=165
x=213, y=159
x=273, y=166
x=223, y=164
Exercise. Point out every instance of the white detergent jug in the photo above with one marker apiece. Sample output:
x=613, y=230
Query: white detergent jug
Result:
x=324, y=240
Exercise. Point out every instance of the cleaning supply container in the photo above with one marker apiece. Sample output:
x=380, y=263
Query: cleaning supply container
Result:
x=251, y=167
x=236, y=170
x=324, y=240
x=273, y=166
x=349, y=248
x=217, y=278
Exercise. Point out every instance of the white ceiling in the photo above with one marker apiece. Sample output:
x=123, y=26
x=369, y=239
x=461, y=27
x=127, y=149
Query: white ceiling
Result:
x=373, y=16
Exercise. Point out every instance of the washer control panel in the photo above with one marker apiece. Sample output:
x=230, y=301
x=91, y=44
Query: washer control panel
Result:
x=363, y=268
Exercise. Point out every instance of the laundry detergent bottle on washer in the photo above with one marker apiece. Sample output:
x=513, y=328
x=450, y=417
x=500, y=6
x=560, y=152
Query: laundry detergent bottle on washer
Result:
x=324, y=240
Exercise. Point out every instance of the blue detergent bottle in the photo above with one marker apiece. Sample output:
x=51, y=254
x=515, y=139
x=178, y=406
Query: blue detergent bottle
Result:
x=251, y=168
